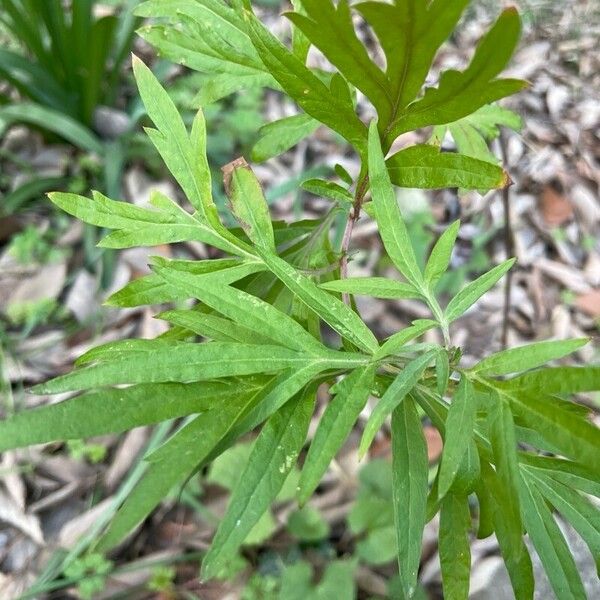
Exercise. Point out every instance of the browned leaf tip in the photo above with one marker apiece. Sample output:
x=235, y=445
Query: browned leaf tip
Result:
x=506, y=180
x=228, y=170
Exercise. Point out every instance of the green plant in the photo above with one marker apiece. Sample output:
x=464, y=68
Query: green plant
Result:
x=79, y=450
x=162, y=580
x=514, y=447
x=33, y=246
x=296, y=583
x=69, y=59
x=65, y=61
x=90, y=572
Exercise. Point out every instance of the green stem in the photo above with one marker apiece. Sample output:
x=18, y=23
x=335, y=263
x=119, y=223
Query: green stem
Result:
x=438, y=313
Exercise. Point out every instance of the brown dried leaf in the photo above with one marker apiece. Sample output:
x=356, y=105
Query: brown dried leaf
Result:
x=556, y=209
x=589, y=303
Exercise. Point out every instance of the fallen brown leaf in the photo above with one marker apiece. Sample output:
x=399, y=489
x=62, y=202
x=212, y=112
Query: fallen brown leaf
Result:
x=556, y=209
x=589, y=303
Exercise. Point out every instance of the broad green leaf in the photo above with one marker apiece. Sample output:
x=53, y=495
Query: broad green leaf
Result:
x=308, y=525
x=271, y=398
x=184, y=155
x=410, y=472
x=189, y=48
x=153, y=289
x=433, y=405
x=468, y=141
x=459, y=431
x=103, y=212
x=338, y=581
x=527, y=357
x=181, y=362
x=504, y=448
x=249, y=311
x=334, y=427
x=425, y=166
x=213, y=327
x=333, y=311
x=550, y=544
x=439, y=259
x=210, y=37
x=221, y=18
x=454, y=548
x=173, y=463
x=472, y=133
x=575, y=475
x=391, y=225
x=580, y=513
x=137, y=226
x=410, y=33
x=379, y=547
x=394, y=395
x=248, y=203
x=328, y=189
x=312, y=95
x=167, y=233
x=559, y=380
x=113, y=411
x=300, y=43
x=573, y=435
x=343, y=174
x=398, y=340
x=296, y=581
x=485, y=505
x=442, y=371
x=460, y=93
x=281, y=135
x=509, y=534
x=489, y=118
x=330, y=29
x=273, y=455
x=469, y=471
x=220, y=86
x=374, y=508
x=378, y=287
x=474, y=290
x=280, y=390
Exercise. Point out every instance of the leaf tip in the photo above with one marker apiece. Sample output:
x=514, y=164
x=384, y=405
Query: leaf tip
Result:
x=135, y=60
x=505, y=181
x=511, y=11
x=111, y=301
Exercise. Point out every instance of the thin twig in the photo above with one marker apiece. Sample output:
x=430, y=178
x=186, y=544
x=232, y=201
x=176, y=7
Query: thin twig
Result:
x=509, y=246
x=361, y=190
